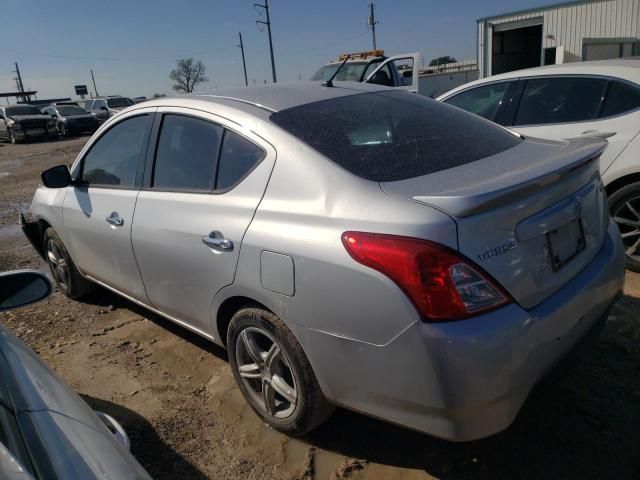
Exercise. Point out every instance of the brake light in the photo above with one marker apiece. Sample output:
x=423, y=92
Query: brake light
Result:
x=441, y=283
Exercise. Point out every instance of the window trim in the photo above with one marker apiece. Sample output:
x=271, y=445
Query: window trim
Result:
x=79, y=183
x=150, y=162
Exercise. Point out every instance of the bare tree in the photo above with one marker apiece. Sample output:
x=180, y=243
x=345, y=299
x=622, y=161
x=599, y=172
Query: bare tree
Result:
x=188, y=74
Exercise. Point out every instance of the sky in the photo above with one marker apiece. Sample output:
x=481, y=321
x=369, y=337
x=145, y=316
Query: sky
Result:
x=132, y=45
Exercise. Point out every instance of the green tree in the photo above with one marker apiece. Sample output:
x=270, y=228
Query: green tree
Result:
x=442, y=61
x=188, y=74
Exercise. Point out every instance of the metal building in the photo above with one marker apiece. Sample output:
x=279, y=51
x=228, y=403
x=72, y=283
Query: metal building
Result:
x=568, y=32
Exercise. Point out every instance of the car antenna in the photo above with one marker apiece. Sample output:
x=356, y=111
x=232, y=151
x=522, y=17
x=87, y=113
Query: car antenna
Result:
x=329, y=83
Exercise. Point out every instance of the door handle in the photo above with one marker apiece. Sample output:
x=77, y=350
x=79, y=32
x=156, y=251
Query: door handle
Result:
x=216, y=241
x=115, y=220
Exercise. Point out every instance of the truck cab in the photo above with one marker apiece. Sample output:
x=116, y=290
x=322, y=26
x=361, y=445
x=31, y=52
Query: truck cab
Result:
x=373, y=66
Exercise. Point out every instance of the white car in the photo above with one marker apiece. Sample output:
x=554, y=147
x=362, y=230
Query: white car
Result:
x=585, y=99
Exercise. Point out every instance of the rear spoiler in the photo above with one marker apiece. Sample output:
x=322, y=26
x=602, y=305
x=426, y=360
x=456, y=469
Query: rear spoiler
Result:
x=503, y=178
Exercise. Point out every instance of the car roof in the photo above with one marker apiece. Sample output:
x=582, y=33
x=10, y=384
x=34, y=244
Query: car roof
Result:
x=624, y=68
x=280, y=96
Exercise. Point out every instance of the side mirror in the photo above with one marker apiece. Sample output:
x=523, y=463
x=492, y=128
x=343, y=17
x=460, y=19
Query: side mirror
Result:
x=407, y=73
x=53, y=115
x=103, y=108
x=23, y=287
x=56, y=177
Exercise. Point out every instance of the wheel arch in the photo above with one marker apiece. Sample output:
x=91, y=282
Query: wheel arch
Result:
x=228, y=308
x=621, y=182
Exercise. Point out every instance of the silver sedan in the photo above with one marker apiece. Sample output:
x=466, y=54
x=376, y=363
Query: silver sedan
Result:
x=350, y=245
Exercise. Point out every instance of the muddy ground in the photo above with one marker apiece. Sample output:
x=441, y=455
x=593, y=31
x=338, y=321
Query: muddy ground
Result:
x=175, y=395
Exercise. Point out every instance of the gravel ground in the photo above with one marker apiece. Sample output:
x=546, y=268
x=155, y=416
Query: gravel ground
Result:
x=175, y=395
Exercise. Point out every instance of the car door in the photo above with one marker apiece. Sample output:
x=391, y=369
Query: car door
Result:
x=99, y=108
x=407, y=80
x=208, y=178
x=4, y=129
x=564, y=107
x=98, y=208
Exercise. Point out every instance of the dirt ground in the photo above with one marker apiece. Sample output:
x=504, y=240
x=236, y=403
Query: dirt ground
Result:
x=175, y=395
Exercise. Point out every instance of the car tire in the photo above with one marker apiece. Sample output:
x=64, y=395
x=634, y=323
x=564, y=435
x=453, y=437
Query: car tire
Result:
x=63, y=270
x=624, y=205
x=297, y=404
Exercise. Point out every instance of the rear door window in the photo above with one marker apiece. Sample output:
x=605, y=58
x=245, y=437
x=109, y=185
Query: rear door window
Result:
x=483, y=101
x=560, y=100
x=238, y=157
x=187, y=154
x=622, y=97
x=113, y=159
x=394, y=135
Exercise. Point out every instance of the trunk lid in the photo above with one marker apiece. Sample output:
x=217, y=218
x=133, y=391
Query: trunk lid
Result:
x=532, y=216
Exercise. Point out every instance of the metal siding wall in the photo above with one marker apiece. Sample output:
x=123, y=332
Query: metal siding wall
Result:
x=572, y=23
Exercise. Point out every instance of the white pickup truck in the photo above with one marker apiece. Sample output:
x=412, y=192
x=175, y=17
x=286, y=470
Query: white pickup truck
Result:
x=401, y=71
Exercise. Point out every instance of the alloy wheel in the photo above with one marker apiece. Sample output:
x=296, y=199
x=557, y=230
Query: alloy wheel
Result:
x=266, y=372
x=627, y=216
x=58, y=265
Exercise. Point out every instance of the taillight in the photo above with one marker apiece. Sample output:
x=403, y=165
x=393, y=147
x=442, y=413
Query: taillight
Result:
x=442, y=284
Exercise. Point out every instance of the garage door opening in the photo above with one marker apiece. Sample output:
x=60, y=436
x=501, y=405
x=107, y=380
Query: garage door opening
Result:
x=515, y=49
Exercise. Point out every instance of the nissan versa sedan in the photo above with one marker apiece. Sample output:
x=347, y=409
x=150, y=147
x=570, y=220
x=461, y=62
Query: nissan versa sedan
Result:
x=350, y=245
x=579, y=99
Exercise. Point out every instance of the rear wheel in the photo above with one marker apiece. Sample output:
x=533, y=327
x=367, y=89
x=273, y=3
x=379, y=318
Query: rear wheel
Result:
x=63, y=270
x=624, y=205
x=274, y=374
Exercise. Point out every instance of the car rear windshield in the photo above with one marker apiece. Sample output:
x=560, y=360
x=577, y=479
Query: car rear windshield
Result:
x=26, y=110
x=388, y=136
x=68, y=110
x=119, y=102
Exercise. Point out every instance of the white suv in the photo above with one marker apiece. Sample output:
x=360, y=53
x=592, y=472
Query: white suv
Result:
x=586, y=99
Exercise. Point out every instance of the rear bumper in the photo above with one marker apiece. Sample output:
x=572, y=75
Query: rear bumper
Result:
x=467, y=380
x=31, y=230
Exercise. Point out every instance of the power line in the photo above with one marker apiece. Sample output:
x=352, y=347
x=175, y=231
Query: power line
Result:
x=268, y=24
x=114, y=59
x=95, y=89
x=373, y=23
x=244, y=64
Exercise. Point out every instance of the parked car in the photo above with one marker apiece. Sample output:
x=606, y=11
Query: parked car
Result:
x=105, y=107
x=401, y=257
x=586, y=99
x=71, y=119
x=25, y=122
x=46, y=430
x=374, y=67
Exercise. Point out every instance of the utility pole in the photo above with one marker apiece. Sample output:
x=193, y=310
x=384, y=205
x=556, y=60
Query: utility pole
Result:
x=268, y=24
x=373, y=23
x=244, y=64
x=19, y=84
x=95, y=89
